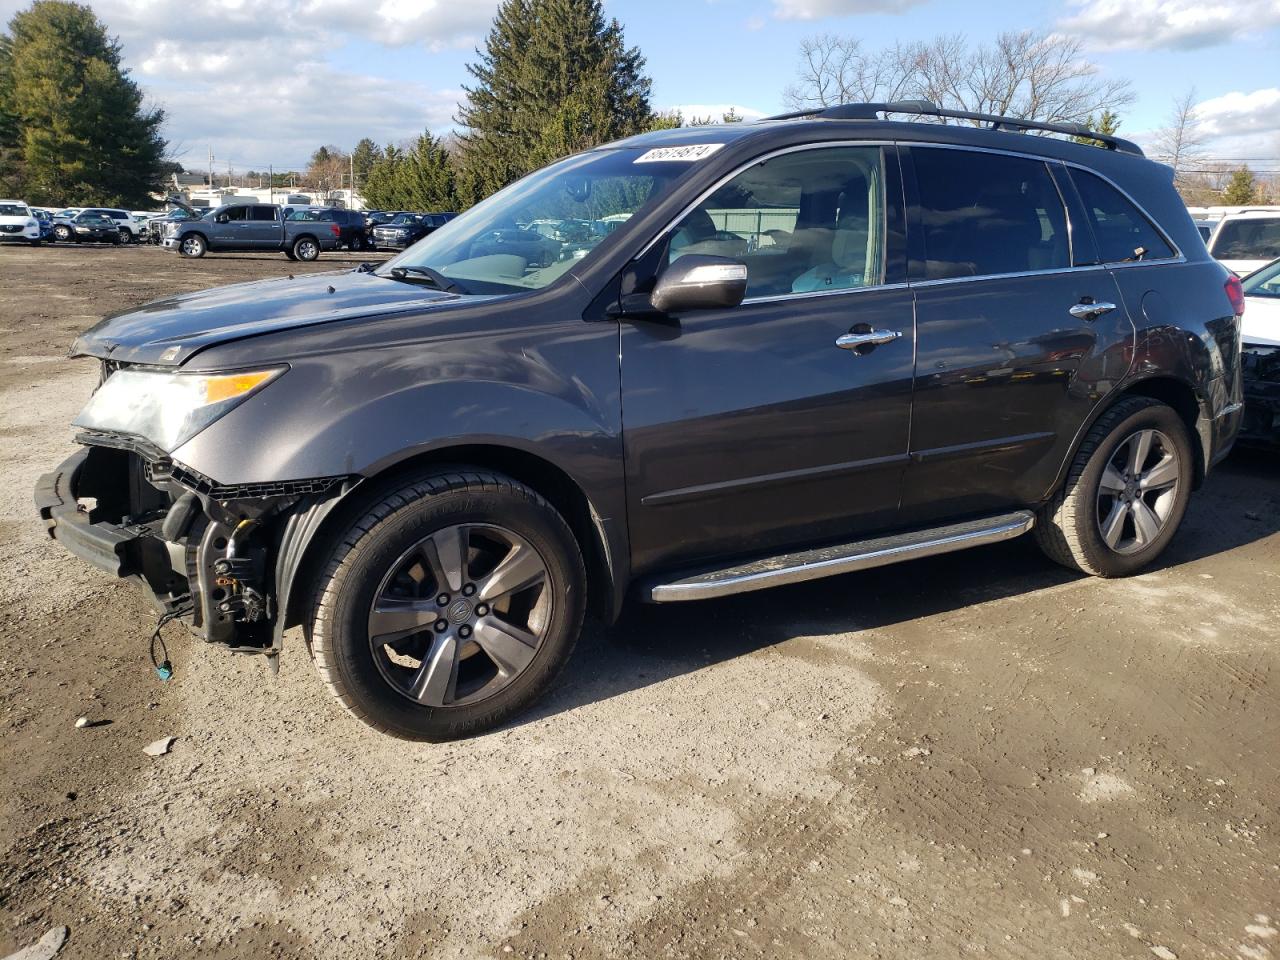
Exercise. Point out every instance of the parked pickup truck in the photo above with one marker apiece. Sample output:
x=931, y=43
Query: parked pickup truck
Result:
x=253, y=226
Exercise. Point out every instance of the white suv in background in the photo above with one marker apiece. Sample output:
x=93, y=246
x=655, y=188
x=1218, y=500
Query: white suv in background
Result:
x=130, y=230
x=17, y=222
x=1245, y=242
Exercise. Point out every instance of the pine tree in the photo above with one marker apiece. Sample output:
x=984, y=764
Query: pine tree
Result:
x=1242, y=189
x=71, y=120
x=425, y=178
x=379, y=189
x=553, y=78
x=364, y=155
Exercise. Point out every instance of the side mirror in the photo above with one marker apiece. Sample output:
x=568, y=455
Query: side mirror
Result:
x=699, y=282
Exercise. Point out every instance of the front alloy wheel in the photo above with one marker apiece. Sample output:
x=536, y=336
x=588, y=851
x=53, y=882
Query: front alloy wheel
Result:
x=460, y=615
x=192, y=246
x=450, y=606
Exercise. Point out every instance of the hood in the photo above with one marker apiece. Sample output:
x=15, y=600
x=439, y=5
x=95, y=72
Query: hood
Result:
x=182, y=205
x=171, y=331
x=1261, y=321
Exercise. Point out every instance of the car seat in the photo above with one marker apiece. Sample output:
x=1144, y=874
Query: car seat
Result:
x=847, y=265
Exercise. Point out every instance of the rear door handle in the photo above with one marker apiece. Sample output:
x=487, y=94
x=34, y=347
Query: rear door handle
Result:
x=1090, y=309
x=852, y=341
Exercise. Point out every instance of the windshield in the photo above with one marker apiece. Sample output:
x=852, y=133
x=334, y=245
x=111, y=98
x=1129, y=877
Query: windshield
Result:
x=14, y=210
x=404, y=219
x=1264, y=282
x=531, y=233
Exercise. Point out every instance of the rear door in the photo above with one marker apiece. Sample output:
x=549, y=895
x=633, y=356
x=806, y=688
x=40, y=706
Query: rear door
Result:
x=262, y=230
x=1010, y=356
x=748, y=430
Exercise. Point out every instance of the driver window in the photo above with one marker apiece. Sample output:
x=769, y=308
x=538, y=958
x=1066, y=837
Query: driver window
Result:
x=803, y=222
x=236, y=213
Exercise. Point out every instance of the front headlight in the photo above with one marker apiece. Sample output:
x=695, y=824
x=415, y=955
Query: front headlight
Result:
x=168, y=408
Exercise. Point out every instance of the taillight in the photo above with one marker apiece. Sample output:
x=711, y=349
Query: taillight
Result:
x=337, y=232
x=1235, y=293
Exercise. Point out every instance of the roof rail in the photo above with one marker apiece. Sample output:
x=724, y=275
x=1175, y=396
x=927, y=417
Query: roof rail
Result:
x=925, y=108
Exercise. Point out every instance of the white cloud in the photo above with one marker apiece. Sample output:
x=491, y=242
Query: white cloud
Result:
x=1171, y=24
x=820, y=9
x=256, y=82
x=1240, y=114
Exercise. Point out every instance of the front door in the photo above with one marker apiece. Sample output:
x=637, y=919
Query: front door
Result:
x=748, y=430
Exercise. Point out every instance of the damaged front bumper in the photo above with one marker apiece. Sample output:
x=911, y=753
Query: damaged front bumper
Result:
x=1261, y=368
x=222, y=557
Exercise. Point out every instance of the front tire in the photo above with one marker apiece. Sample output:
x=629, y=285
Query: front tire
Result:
x=193, y=246
x=1125, y=494
x=62, y=233
x=449, y=607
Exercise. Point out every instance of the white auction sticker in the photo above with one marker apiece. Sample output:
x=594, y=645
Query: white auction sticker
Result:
x=694, y=151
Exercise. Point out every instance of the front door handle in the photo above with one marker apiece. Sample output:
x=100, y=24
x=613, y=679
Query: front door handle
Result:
x=1090, y=309
x=852, y=341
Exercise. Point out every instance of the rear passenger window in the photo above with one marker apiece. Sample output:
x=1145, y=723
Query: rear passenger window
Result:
x=264, y=213
x=1122, y=232
x=986, y=213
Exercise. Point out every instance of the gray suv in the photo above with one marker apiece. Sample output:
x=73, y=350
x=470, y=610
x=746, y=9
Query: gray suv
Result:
x=254, y=226
x=743, y=356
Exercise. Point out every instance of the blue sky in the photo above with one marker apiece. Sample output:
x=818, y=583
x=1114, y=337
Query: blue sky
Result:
x=265, y=82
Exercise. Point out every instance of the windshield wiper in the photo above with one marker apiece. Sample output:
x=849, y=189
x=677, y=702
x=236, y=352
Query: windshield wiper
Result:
x=433, y=277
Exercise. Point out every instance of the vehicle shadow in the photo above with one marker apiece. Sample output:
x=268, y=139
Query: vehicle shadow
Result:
x=651, y=643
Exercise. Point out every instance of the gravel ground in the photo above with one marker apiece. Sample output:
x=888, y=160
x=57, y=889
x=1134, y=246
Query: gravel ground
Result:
x=979, y=754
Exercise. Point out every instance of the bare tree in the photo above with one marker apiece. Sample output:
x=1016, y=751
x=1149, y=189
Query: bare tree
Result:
x=835, y=69
x=1179, y=143
x=1027, y=74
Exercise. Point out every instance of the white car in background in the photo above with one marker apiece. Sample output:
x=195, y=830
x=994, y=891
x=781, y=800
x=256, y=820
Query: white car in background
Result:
x=1260, y=349
x=17, y=222
x=1245, y=242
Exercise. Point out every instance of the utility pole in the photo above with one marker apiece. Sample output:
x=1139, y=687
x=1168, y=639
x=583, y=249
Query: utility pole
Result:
x=210, y=167
x=271, y=180
x=351, y=160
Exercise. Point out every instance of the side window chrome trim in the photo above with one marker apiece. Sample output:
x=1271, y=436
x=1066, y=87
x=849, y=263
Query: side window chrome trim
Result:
x=747, y=165
x=1155, y=224
x=811, y=294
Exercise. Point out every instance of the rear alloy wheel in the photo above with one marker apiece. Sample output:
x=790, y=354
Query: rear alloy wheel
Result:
x=449, y=607
x=305, y=249
x=192, y=246
x=1125, y=494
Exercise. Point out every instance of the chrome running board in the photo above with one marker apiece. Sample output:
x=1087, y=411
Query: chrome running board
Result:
x=845, y=558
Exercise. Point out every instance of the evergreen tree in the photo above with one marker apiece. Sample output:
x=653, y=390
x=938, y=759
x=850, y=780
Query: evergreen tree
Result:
x=422, y=177
x=666, y=120
x=1109, y=123
x=425, y=179
x=379, y=188
x=73, y=127
x=1242, y=189
x=364, y=155
x=553, y=77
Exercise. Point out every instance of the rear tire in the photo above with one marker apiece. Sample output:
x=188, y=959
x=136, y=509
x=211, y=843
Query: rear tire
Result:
x=1126, y=492
x=455, y=566
x=62, y=233
x=305, y=249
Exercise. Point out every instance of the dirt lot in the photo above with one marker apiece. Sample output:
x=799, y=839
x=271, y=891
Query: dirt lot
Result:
x=972, y=755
